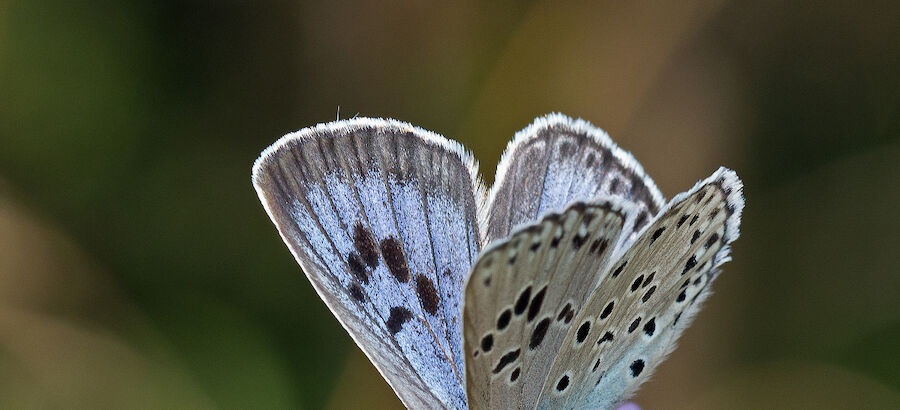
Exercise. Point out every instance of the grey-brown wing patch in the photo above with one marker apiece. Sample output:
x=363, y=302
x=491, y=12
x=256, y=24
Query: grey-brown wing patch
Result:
x=382, y=218
x=556, y=161
x=646, y=298
x=523, y=295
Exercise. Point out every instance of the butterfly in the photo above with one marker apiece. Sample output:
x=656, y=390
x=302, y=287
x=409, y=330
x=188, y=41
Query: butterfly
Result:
x=563, y=286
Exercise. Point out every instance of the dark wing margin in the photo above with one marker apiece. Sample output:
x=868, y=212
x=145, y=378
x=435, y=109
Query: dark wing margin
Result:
x=556, y=161
x=382, y=218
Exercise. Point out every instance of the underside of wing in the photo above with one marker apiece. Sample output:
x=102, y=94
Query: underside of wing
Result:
x=382, y=217
x=556, y=161
x=523, y=294
x=648, y=296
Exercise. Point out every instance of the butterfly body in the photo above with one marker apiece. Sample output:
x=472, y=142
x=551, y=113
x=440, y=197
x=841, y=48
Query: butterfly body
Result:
x=563, y=287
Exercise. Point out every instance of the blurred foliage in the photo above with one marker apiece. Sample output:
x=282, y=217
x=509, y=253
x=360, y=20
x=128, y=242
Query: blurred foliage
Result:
x=137, y=268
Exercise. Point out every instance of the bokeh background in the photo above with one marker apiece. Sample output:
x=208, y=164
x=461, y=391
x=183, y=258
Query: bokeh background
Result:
x=138, y=269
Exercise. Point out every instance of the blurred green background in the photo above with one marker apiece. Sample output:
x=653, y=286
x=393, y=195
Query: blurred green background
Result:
x=138, y=269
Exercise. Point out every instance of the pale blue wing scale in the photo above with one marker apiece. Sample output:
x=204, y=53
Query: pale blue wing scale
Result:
x=386, y=237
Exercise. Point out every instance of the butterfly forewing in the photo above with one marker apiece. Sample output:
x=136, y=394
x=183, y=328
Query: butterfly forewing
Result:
x=557, y=161
x=523, y=294
x=382, y=218
x=646, y=298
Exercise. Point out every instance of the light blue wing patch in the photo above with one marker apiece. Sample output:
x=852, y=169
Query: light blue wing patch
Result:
x=382, y=218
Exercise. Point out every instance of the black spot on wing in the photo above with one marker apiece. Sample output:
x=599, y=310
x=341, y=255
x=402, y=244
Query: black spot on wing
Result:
x=656, y=235
x=607, y=310
x=427, y=294
x=522, y=302
x=487, y=342
x=690, y=264
x=607, y=337
x=695, y=236
x=503, y=320
x=506, y=360
x=536, y=303
x=637, y=283
x=355, y=263
x=583, y=331
x=395, y=259
x=681, y=221
x=356, y=292
x=647, y=295
x=619, y=269
x=515, y=374
x=712, y=239
x=634, y=324
x=399, y=316
x=599, y=245
x=537, y=335
x=637, y=367
x=650, y=327
x=562, y=384
x=365, y=244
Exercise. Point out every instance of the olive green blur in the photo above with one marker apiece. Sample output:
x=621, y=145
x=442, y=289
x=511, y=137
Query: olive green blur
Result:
x=139, y=270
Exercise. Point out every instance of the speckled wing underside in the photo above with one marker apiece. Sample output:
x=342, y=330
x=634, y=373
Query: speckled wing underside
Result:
x=522, y=295
x=646, y=298
x=382, y=217
x=556, y=161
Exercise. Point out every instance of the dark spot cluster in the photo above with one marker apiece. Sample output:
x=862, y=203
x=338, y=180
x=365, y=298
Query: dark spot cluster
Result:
x=599, y=245
x=399, y=316
x=395, y=259
x=365, y=244
x=537, y=335
x=427, y=294
x=506, y=360
x=566, y=313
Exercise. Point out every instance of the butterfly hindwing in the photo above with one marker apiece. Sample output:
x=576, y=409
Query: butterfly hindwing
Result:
x=646, y=298
x=522, y=296
x=556, y=161
x=382, y=217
